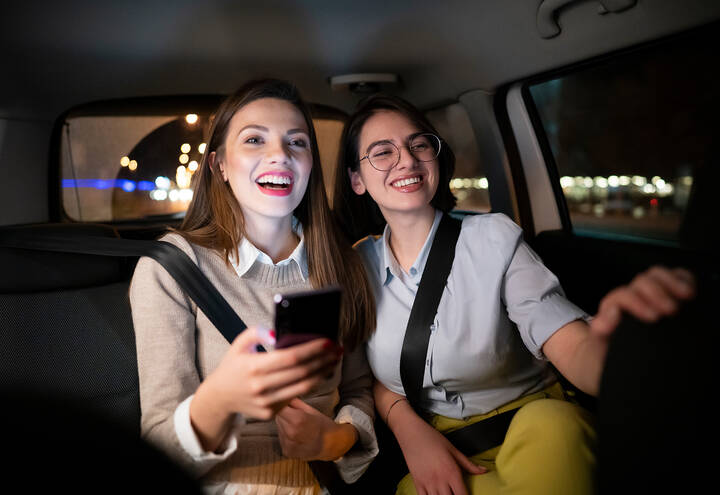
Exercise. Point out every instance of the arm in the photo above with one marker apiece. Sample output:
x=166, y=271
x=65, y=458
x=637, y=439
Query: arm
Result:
x=349, y=439
x=256, y=385
x=191, y=428
x=578, y=350
x=164, y=322
x=306, y=433
x=436, y=466
x=357, y=408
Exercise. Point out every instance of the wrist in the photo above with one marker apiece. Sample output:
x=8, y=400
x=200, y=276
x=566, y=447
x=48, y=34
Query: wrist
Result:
x=399, y=415
x=209, y=419
x=338, y=441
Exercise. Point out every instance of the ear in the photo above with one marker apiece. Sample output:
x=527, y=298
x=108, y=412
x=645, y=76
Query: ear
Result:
x=356, y=182
x=214, y=161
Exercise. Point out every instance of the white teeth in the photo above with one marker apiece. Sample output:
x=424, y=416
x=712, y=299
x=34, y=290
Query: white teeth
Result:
x=406, y=182
x=274, y=179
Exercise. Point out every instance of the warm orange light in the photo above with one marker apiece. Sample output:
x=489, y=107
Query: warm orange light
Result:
x=191, y=118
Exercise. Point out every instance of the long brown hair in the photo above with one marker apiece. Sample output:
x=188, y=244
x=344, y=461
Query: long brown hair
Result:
x=359, y=215
x=214, y=218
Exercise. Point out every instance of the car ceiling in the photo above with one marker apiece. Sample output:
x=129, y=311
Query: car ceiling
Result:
x=60, y=54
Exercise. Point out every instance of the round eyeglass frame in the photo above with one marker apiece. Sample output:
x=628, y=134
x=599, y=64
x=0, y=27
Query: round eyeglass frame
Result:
x=439, y=147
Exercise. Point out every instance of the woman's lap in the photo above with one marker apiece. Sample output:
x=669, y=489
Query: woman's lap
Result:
x=549, y=448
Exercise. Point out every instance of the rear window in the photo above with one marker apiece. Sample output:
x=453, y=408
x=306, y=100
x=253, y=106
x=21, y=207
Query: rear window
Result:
x=634, y=140
x=138, y=165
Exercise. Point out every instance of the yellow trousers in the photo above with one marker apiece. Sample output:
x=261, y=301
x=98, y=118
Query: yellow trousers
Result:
x=548, y=449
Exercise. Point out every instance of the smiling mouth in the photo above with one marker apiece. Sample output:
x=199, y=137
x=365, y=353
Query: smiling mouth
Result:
x=409, y=181
x=275, y=182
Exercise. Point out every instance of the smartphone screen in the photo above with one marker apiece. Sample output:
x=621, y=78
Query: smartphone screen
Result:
x=304, y=316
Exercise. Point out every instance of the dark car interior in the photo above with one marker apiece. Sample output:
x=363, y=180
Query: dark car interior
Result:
x=592, y=124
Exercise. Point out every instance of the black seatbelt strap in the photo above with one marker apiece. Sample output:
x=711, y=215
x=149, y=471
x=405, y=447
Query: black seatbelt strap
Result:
x=185, y=272
x=483, y=435
x=424, y=309
x=477, y=437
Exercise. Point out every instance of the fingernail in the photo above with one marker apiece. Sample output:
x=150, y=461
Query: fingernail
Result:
x=328, y=344
x=482, y=469
x=266, y=335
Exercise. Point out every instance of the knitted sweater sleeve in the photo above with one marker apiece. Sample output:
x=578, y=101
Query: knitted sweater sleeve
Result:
x=164, y=320
x=356, y=407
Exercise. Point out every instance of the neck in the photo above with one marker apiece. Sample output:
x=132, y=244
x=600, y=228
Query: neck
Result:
x=273, y=237
x=408, y=232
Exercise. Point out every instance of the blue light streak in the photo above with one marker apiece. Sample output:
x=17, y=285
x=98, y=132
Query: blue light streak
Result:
x=124, y=184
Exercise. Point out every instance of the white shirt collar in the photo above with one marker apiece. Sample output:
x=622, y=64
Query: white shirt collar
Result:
x=248, y=254
x=390, y=265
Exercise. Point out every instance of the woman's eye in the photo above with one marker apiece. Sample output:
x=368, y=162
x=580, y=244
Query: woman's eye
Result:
x=299, y=142
x=253, y=140
x=419, y=147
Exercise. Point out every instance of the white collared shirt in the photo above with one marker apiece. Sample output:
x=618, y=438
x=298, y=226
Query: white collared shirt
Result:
x=498, y=308
x=248, y=254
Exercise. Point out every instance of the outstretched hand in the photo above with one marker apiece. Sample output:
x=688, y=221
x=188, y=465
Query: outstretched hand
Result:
x=651, y=295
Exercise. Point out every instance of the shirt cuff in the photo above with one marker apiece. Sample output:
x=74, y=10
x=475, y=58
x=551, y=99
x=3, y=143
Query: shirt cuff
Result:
x=548, y=317
x=191, y=444
x=356, y=460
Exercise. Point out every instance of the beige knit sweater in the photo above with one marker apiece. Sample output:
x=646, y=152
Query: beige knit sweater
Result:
x=177, y=347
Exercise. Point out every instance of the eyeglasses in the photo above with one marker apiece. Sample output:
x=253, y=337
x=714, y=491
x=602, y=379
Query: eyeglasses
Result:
x=385, y=155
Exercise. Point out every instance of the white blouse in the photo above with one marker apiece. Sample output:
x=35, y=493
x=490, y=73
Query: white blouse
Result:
x=499, y=307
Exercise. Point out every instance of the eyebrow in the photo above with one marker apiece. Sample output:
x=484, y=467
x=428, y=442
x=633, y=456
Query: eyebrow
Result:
x=265, y=129
x=389, y=141
x=381, y=141
x=254, y=126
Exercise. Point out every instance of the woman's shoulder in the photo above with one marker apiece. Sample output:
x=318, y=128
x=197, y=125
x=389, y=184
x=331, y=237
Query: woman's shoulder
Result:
x=369, y=249
x=178, y=240
x=368, y=245
x=147, y=266
x=491, y=227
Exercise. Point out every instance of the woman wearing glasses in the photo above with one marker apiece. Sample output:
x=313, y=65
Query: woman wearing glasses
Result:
x=501, y=318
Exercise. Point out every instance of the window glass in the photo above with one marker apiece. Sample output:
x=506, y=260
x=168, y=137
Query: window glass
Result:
x=635, y=139
x=122, y=168
x=469, y=183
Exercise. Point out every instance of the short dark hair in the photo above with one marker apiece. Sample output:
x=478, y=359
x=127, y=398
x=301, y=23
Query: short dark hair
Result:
x=359, y=215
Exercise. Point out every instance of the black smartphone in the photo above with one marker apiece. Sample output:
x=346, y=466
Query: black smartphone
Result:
x=307, y=315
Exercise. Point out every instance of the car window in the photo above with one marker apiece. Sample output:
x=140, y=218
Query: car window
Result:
x=469, y=184
x=138, y=167
x=631, y=137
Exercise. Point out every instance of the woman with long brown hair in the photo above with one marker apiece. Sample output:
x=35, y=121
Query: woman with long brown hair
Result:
x=258, y=224
x=483, y=376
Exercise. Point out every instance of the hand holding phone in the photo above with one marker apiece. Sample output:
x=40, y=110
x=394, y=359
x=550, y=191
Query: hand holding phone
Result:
x=308, y=315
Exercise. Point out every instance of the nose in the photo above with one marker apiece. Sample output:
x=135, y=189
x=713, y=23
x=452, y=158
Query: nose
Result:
x=406, y=159
x=277, y=152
